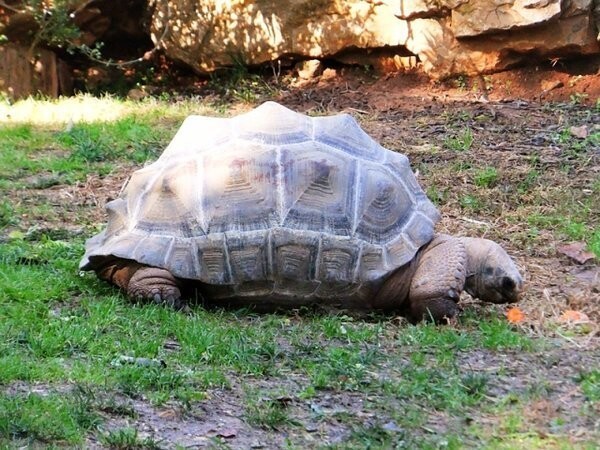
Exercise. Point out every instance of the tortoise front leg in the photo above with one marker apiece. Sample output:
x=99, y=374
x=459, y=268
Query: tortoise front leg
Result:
x=143, y=282
x=438, y=281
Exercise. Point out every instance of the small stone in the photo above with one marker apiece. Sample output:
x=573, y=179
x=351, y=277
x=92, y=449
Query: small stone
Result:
x=227, y=433
x=579, y=132
x=142, y=362
x=549, y=85
x=311, y=428
x=391, y=426
x=309, y=69
x=329, y=74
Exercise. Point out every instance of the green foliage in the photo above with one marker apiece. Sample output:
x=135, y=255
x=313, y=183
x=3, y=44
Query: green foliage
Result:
x=578, y=98
x=530, y=181
x=471, y=202
x=126, y=138
x=46, y=418
x=371, y=437
x=486, y=177
x=461, y=142
x=7, y=214
x=55, y=25
x=436, y=195
x=594, y=242
x=498, y=335
x=590, y=384
x=127, y=439
x=237, y=83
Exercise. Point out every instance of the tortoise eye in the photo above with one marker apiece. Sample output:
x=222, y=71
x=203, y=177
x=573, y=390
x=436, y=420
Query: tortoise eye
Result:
x=508, y=284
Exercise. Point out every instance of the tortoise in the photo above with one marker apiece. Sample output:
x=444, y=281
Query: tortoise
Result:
x=275, y=208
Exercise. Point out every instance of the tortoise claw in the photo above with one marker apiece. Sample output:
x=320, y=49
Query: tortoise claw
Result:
x=156, y=285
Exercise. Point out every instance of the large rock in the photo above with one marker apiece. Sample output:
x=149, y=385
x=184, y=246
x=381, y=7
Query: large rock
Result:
x=596, y=15
x=207, y=34
x=477, y=17
x=442, y=54
x=448, y=36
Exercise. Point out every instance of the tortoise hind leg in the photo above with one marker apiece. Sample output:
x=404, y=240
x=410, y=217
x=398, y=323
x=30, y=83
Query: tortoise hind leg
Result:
x=438, y=281
x=143, y=282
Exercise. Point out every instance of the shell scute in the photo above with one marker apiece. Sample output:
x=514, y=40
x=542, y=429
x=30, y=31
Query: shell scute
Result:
x=318, y=193
x=338, y=260
x=343, y=132
x=249, y=256
x=244, y=175
x=294, y=262
x=160, y=202
x=372, y=262
x=213, y=259
x=272, y=124
x=183, y=259
x=153, y=249
x=385, y=205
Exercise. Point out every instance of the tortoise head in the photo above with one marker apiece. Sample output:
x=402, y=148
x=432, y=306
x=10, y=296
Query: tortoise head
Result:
x=492, y=275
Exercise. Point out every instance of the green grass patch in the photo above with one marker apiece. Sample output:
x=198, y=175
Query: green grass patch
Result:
x=498, y=334
x=461, y=142
x=471, y=202
x=127, y=438
x=128, y=139
x=42, y=141
x=590, y=384
x=46, y=418
x=486, y=177
x=574, y=226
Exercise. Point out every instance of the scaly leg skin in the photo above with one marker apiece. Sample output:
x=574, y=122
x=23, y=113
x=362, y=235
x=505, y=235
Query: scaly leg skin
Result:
x=438, y=281
x=144, y=282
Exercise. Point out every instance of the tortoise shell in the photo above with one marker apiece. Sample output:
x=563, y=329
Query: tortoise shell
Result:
x=270, y=202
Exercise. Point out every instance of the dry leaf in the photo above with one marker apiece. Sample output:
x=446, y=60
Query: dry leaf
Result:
x=576, y=251
x=515, y=315
x=574, y=317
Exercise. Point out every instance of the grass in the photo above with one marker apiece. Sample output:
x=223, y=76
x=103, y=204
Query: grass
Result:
x=268, y=413
x=486, y=177
x=77, y=359
x=69, y=156
x=127, y=439
x=50, y=418
x=461, y=142
x=81, y=321
x=590, y=385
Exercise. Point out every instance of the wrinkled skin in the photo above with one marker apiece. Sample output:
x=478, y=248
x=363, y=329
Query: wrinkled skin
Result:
x=443, y=269
x=492, y=276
